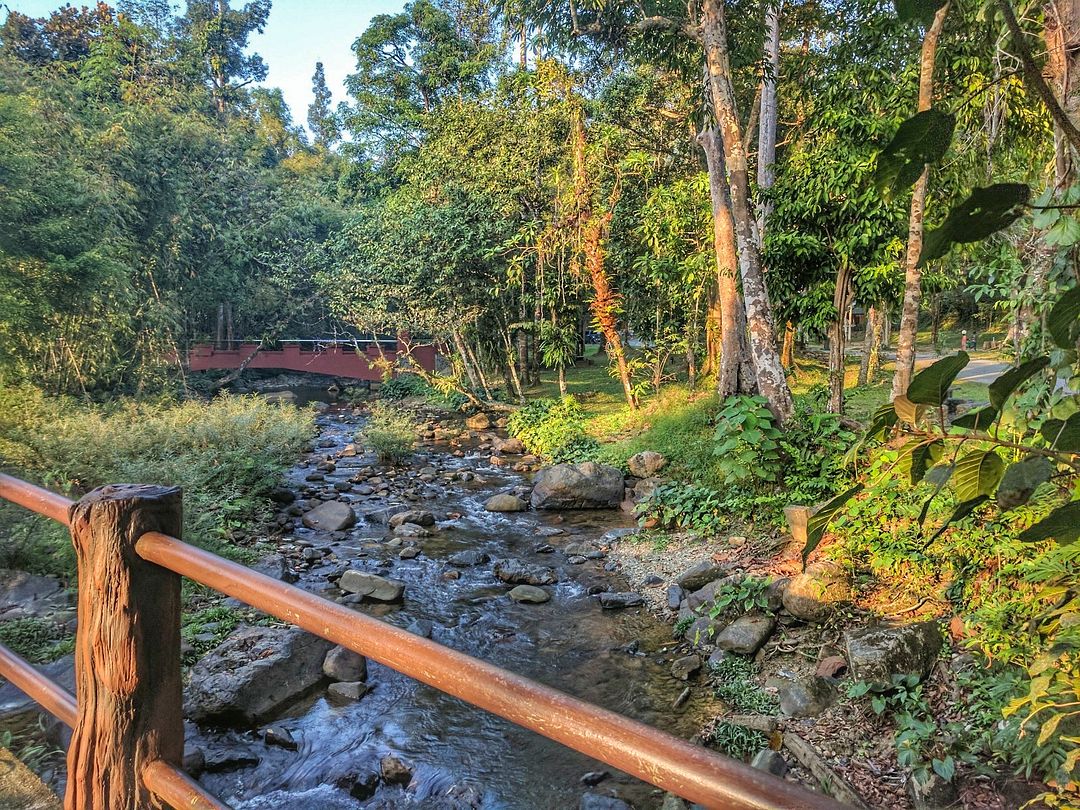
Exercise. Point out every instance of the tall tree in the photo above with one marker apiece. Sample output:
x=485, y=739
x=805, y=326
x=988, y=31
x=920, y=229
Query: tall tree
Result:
x=320, y=116
x=219, y=36
x=909, y=313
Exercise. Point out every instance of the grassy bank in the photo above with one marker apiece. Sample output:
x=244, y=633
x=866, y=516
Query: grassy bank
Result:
x=226, y=454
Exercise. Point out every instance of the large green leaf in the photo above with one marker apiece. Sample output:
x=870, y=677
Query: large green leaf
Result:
x=932, y=383
x=815, y=527
x=923, y=457
x=985, y=212
x=1021, y=480
x=907, y=411
x=1063, y=525
x=981, y=419
x=961, y=512
x=1063, y=322
x=977, y=473
x=1003, y=387
x=922, y=139
x=884, y=418
x=921, y=11
x=1063, y=434
x=938, y=476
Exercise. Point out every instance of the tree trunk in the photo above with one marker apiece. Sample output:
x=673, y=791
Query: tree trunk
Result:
x=868, y=344
x=728, y=300
x=1062, y=35
x=770, y=374
x=787, y=353
x=459, y=344
x=838, y=339
x=594, y=232
x=909, y=314
x=766, y=155
x=511, y=368
x=562, y=380
x=935, y=319
x=479, y=370
x=127, y=649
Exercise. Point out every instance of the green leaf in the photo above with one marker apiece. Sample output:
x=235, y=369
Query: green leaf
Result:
x=926, y=455
x=1063, y=434
x=1003, y=387
x=977, y=473
x=932, y=383
x=906, y=410
x=884, y=418
x=921, y=139
x=1062, y=525
x=1063, y=322
x=961, y=512
x=981, y=419
x=945, y=768
x=985, y=212
x=921, y=11
x=1021, y=480
x=815, y=527
x=938, y=476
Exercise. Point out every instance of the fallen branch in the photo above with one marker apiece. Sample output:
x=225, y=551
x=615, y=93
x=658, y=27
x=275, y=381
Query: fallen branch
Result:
x=831, y=782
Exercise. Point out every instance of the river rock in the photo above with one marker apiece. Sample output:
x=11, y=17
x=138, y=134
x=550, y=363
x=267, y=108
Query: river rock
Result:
x=675, y=596
x=479, y=421
x=770, y=761
x=598, y=801
x=372, y=586
x=699, y=575
x=467, y=558
x=530, y=594
x=683, y=668
x=505, y=502
x=279, y=736
x=344, y=691
x=645, y=464
x=411, y=530
x=254, y=672
x=282, y=495
x=418, y=517
x=877, y=652
x=747, y=634
x=395, y=771
x=702, y=632
x=342, y=664
x=815, y=594
x=587, y=485
x=808, y=696
x=24, y=595
x=612, y=601
x=512, y=445
x=517, y=573
x=331, y=516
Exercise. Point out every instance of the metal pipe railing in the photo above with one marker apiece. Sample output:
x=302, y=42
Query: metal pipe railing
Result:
x=690, y=771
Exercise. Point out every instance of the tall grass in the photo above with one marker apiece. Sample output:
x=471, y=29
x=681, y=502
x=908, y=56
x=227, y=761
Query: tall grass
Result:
x=226, y=454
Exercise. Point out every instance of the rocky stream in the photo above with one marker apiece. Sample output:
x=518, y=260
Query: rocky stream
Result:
x=278, y=719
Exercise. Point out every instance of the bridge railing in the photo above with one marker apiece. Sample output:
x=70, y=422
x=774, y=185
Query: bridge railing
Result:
x=127, y=741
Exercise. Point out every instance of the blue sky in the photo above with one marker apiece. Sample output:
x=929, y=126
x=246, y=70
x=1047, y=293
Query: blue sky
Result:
x=298, y=34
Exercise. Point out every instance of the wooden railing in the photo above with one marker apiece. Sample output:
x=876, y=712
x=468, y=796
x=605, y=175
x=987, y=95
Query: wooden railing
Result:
x=127, y=741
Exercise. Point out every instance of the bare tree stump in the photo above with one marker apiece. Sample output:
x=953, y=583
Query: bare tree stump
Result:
x=127, y=649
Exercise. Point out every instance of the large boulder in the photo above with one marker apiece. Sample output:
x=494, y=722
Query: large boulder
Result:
x=877, y=652
x=372, y=586
x=587, y=485
x=24, y=595
x=253, y=673
x=816, y=593
x=645, y=464
x=332, y=516
x=479, y=421
x=418, y=517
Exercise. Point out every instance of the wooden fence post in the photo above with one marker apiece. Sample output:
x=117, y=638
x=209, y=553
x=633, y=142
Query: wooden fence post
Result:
x=127, y=649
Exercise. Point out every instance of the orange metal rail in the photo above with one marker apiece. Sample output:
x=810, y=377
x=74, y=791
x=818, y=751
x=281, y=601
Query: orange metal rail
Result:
x=690, y=771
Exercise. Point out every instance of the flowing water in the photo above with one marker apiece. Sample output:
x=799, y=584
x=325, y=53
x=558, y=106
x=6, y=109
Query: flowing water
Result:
x=464, y=757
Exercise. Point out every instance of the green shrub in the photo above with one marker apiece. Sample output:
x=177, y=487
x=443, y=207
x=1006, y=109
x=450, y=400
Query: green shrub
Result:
x=733, y=683
x=37, y=640
x=747, y=442
x=743, y=596
x=737, y=741
x=694, y=508
x=403, y=386
x=555, y=430
x=389, y=432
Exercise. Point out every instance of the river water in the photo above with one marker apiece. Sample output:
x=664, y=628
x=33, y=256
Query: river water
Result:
x=464, y=757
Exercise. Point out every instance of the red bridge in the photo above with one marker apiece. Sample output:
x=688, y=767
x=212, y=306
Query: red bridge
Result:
x=354, y=359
